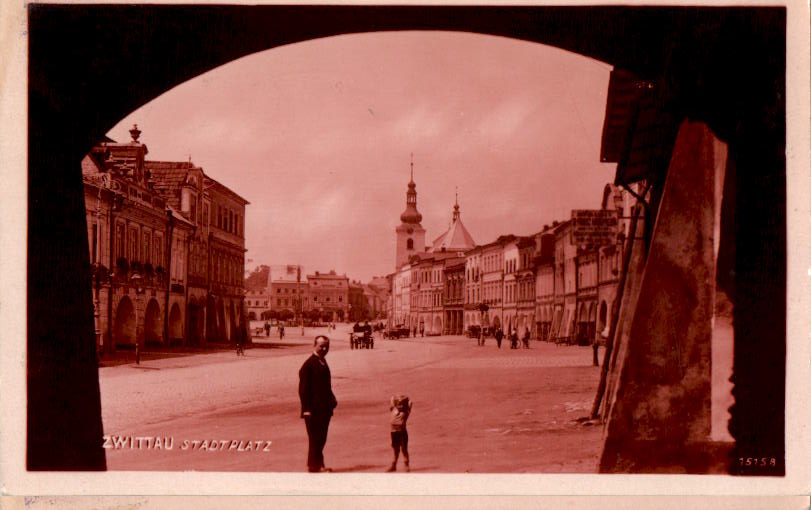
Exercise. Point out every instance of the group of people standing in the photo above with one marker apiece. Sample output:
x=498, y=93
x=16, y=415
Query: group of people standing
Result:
x=513, y=337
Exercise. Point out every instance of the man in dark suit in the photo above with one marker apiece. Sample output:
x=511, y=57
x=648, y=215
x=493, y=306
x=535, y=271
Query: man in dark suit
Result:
x=317, y=402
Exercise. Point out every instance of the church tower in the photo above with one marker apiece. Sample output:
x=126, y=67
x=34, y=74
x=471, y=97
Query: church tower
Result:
x=410, y=234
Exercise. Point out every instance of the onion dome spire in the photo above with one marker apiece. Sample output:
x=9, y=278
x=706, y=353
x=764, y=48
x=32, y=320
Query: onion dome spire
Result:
x=411, y=215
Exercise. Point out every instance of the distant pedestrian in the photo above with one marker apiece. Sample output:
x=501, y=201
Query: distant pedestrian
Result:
x=240, y=340
x=514, y=339
x=526, y=339
x=400, y=411
x=281, y=332
x=317, y=402
x=499, y=337
x=267, y=328
x=422, y=329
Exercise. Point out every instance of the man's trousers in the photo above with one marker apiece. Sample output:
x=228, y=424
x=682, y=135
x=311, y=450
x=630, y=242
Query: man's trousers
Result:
x=317, y=425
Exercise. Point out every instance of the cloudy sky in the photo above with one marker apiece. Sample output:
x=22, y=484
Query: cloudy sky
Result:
x=317, y=136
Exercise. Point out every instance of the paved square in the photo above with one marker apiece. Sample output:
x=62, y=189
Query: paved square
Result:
x=476, y=409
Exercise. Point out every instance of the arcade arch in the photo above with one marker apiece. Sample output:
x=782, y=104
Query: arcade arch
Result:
x=153, y=325
x=124, y=325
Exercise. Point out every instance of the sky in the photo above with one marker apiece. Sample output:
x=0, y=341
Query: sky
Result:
x=318, y=137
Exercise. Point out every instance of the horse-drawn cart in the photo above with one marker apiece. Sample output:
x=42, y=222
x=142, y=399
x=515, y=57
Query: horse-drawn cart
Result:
x=361, y=340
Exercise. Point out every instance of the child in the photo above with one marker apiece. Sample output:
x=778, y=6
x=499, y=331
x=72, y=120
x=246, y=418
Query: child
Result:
x=400, y=410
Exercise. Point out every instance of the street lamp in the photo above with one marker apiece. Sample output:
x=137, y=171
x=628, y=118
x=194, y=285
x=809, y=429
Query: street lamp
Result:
x=136, y=280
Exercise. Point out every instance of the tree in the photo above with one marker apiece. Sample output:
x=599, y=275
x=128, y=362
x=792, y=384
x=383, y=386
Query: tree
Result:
x=258, y=279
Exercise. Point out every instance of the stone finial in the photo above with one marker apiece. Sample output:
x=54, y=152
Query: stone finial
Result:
x=135, y=132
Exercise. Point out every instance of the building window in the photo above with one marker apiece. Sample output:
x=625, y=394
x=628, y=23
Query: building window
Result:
x=133, y=245
x=120, y=251
x=410, y=244
x=146, y=248
x=156, y=250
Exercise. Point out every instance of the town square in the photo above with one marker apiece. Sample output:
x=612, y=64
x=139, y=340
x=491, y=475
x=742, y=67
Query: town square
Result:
x=476, y=409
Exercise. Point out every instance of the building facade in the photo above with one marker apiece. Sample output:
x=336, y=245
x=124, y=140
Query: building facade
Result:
x=329, y=294
x=544, y=283
x=473, y=285
x=525, y=286
x=454, y=296
x=215, y=297
x=148, y=223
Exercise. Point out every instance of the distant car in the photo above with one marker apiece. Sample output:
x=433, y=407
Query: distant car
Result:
x=400, y=331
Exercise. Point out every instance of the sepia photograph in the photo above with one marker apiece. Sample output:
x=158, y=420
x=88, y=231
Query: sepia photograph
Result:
x=367, y=245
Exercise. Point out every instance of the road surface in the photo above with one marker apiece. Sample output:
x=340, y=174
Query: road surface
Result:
x=476, y=409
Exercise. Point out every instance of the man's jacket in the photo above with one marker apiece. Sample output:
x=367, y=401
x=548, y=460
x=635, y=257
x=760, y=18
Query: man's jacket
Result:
x=315, y=387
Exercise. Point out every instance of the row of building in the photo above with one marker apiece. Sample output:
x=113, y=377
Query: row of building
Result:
x=167, y=247
x=285, y=292
x=557, y=284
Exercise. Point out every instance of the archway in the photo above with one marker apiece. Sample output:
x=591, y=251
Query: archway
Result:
x=592, y=325
x=153, y=330
x=211, y=319
x=175, y=324
x=602, y=322
x=437, y=325
x=196, y=316
x=124, y=325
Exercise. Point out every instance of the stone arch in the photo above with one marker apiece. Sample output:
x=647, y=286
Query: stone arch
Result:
x=175, y=323
x=153, y=323
x=602, y=320
x=196, y=316
x=124, y=324
x=211, y=318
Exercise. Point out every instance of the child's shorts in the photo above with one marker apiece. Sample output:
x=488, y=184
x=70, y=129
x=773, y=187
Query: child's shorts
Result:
x=398, y=438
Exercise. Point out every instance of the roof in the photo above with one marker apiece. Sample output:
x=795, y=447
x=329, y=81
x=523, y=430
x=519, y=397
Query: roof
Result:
x=168, y=177
x=257, y=281
x=455, y=264
x=638, y=132
x=456, y=238
x=286, y=274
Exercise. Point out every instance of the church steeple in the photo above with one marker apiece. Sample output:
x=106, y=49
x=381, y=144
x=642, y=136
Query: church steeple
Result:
x=410, y=234
x=456, y=206
x=411, y=215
